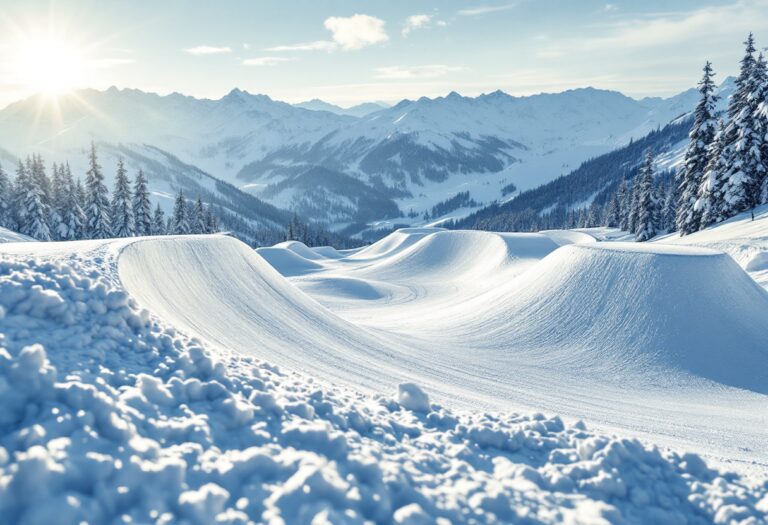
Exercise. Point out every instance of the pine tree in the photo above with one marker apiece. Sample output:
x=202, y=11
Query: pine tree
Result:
x=634, y=206
x=142, y=212
x=612, y=215
x=622, y=199
x=211, y=223
x=73, y=218
x=97, y=201
x=35, y=213
x=37, y=172
x=59, y=203
x=198, y=221
x=701, y=138
x=745, y=169
x=6, y=197
x=669, y=211
x=647, y=204
x=82, y=201
x=122, y=210
x=158, y=222
x=20, y=190
x=180, y=220
x=710, y=196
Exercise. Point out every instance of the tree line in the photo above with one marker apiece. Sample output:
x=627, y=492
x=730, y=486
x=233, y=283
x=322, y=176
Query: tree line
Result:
x=724, y=172
x=724, y=169
x=60, y=207
x=726, y=161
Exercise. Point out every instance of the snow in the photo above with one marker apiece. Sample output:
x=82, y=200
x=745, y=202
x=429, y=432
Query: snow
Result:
x=184, y=380
x=7, y=235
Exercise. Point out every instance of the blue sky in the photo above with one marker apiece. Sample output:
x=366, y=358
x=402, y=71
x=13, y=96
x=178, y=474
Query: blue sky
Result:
x=348, y=52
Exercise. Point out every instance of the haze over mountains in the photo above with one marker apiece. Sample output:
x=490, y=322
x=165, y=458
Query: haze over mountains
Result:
x=344, y=170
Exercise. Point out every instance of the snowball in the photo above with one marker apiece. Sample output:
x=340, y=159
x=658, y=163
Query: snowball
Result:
x=412, y=397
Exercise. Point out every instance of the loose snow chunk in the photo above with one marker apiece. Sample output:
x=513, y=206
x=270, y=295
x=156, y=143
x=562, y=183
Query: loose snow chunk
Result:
x=412, y=397
x=203, y=505
x=412, y=514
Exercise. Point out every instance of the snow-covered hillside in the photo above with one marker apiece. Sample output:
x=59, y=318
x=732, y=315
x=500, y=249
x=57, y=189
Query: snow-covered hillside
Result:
x=112, y=413
x=342, y=169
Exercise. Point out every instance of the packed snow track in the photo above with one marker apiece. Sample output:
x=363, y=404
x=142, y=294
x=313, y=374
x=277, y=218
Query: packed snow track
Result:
x=666, y=343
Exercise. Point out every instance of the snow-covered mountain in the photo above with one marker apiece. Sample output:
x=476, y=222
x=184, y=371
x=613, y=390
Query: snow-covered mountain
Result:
x=342, y=169
x=359, y=110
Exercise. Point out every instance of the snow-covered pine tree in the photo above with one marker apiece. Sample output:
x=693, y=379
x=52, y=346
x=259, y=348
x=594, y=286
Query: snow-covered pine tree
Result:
x=761, y=123
x=612, y=213
x=71, y=227
x=122, y=209
x=59, y=197
x=622, y=198
x=190, y=215
x=634, y=206
x=701, y=137
x=142, y=211
x=20, y=189
x=669, y=210
x=647, y=204
x=6, y=197
x=180, y=219
x=82, y=201
x=36, y=170
x=593, y=216
x=158, y=222
x=211, y=222
x=97, y=201
x=710, y=196
x=745, y=169
x=35, y=212
x=198, y=219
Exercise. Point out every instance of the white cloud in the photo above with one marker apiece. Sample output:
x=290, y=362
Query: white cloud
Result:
x=347, y=33
x=265, y=61
x=207, y=50
x=415, y=72
x=318, y=45
x=483, y=10
x=356, y=31
x=414, y=22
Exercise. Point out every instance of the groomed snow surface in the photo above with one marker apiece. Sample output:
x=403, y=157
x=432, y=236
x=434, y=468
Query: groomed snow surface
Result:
x=406, y=388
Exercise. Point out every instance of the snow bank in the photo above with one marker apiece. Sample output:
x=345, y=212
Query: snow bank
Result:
x=7, y=235
x=288, y=262
x=111, y=416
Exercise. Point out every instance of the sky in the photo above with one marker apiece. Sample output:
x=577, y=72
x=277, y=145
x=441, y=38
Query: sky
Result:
x=347, y=52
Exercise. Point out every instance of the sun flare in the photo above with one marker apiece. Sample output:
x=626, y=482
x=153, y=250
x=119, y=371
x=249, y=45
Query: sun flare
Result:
x=48, y=65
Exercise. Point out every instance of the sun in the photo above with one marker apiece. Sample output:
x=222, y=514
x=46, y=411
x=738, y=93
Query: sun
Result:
x=48, y=65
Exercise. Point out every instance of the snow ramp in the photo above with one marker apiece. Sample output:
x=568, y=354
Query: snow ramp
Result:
x=220, y=290
x=645, y=312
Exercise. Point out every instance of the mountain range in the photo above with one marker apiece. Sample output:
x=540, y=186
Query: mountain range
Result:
x=350, y=172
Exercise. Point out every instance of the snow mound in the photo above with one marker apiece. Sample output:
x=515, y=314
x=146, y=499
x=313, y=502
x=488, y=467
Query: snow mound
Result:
x=328, y=252
x=460, y=255
x=300, y=249
x=393, y=243
x=111, y=415
x=563, y=237
x=7, y=235
x=288, y=262
x=633, y=307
